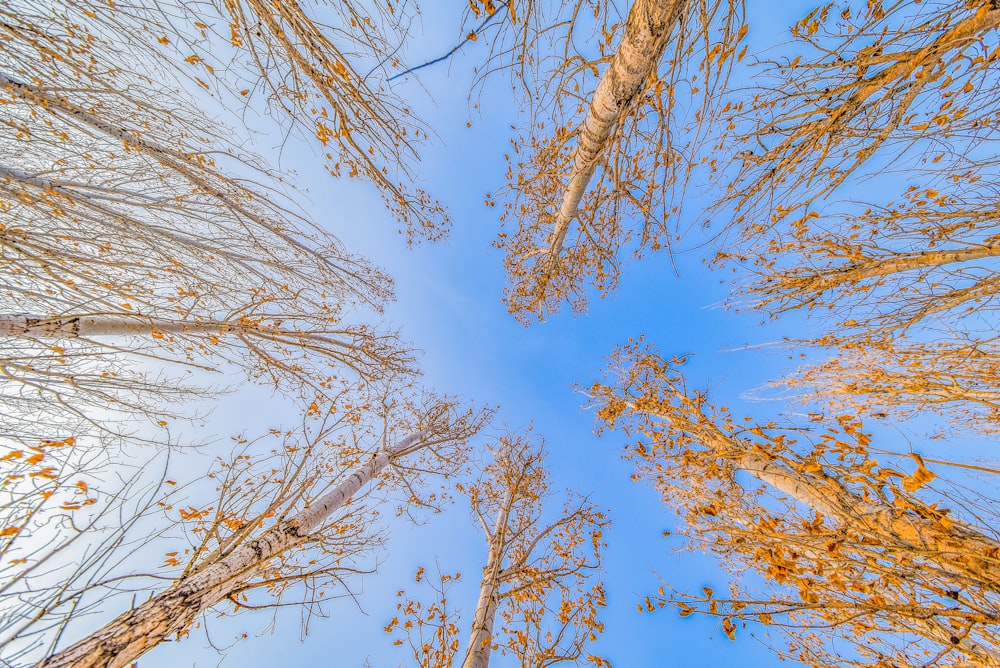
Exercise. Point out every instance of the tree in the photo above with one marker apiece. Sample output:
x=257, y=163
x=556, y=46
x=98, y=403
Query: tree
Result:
x=872, y=80
x=567, y=233
x=136, y=232
x=317, y=64
x=905, y=286
x=537, y=574
x=121, y=212
x=117, y=220
x=312, y=73
x=846, y=548
x=282, y=519
x=132, y=233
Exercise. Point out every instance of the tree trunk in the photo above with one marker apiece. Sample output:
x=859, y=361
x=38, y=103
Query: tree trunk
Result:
x=882, y=267
x=477, y=654
x=958, y=550
x=85, y=326
x=126, y=638
x=647, y=28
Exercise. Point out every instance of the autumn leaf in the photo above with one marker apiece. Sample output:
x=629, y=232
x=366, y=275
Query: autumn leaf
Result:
x=920, y=477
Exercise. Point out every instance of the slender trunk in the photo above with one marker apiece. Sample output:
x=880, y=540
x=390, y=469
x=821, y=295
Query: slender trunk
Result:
x=957, y=549
x=85, y=326
x=816, y=133
x=647, y=28
x=856, y=272
x=960, y=551
x=126, y=638
x=477, y=654
x=226, y=191
x=979, y=23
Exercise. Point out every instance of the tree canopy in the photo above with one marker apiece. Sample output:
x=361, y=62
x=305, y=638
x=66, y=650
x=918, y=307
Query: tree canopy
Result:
x=829, y=187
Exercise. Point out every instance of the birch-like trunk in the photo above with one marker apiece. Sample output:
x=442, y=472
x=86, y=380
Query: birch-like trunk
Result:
x=126, y=638
x=959, y=550
x=877, y=268
x=85, y=326
x=647, y=29
x=477, y=654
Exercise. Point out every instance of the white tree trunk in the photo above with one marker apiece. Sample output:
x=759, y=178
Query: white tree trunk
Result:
x=86, y=326
x=126, y=638
x=477, y=654
x=831, y=277
x=74, y=327
x=647, y=29
x=958, y=550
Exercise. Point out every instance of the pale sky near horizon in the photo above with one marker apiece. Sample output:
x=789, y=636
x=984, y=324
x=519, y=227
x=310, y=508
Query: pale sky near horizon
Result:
x=449, y=305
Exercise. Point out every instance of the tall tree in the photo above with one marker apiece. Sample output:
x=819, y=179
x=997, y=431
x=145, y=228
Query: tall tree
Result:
x=537, y=581
x=903, y=288
x=872, y=80
x=117, y=219
x=599, y=168
x=846, y=549
x=288, y=522
x=135, y=231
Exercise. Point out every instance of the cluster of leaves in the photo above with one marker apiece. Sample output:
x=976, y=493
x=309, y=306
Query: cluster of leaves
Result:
x=845, y=547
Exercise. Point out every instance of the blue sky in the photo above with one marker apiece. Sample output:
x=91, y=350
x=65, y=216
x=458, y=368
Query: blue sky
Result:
x=449, y=305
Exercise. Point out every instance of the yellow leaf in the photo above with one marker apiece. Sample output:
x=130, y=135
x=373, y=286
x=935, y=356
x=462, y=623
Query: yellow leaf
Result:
x=920, y=477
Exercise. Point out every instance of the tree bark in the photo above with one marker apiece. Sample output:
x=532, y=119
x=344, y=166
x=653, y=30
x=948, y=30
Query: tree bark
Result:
x=126, y=638
x=85, y=326
x=477, y=654
x=647, y=29
x=958, y=550
x=856, y=272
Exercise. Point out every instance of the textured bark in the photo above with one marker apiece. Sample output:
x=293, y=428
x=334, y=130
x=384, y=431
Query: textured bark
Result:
x=126, y=638
x=62, y=107
x=647, y=29
x=876, y=268
x=477, y=654
x=958, y=550
x=85, y=326
x=75, y=327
